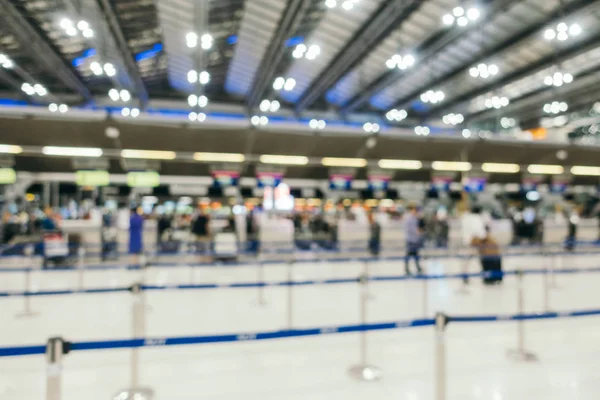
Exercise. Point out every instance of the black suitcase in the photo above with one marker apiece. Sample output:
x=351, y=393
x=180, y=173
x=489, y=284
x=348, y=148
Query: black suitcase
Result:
x=493, y=265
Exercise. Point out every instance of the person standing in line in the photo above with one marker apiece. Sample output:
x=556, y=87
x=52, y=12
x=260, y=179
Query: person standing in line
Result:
x=201, y=231
x=136, y=227
x=412, y=234
x=375, y=238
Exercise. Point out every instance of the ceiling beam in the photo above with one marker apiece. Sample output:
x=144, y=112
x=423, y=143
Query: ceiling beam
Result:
x=10, y=80
x=37, y=46
x=425, y=51
x=380, y=25
x=125, y=52
x=529, y=33
x=292, y=16
x=578, y=47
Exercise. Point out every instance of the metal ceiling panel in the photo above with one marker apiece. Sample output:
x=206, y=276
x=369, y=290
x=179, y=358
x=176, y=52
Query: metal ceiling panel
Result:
x=260, y=21
x=332, y=33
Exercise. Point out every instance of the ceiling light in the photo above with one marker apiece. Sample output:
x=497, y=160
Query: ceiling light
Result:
x=473, y=14
x=265, y=105
x=497, y=102
x=317, y=124
x=27, y=88
x=310, y=53
x=283, y=160
x=264, y=120
x=53, y=107
x=193, y=116
x=72, y=151
x=255, y=120
x=202, y=101
x=458, y=11
x=506, y=122
x=219, y=157
x=125, y=95
x=66, y=23
x=549, y=34
x=192, y=100
x=459, y=166
x=466, y=133
x=191, y=39
x=396, y=115
x=125, y=112
x=83, y=25
x=462, y=21
x=431, y=96
x=10, y=149
x=274, y=107
x=574, y=30
x=110, y=69
x=500, y=168
x=545, y=169
x=148, y=154
x=400, y=164
x=558, y=79
x=71, y=31
x=192, y=76
x=585, y=170
x=5, y=61
x=207, y=41
x=135, y=112
x=555, y=107
x=343, y=162
x=40, y=90
x=63, y=108
x=453, y=119
x=448, y=19
x=330, y=3
x=562, y=32
x=88, y=33
x=483, y=70
x=422, y=130
x=204, y=77
x=289, y=85
x=279, y=83
x=400, y=62
x=113, y=94
x=371, y=127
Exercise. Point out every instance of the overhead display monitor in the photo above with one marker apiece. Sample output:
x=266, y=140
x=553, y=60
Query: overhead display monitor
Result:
x=92, y=178
x=143, y=179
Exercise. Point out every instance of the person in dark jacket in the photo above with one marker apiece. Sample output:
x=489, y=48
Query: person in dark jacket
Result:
x=136, y=227
x=375, y=238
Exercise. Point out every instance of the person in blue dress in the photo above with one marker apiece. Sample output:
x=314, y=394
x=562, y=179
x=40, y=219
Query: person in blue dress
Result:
x=136, y=227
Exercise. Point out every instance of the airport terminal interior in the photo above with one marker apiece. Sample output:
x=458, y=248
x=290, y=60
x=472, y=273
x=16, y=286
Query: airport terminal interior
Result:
x=299, y=199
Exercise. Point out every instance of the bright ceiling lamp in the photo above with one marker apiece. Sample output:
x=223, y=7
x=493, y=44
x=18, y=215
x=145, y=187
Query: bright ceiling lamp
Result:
x=343, y=162
x=585, y=170
x=148, y=154
x=10, y=149
x=400, y=164
x=558, y=79
x=433, y=97
x=460, y=166
x=545, y=169
x=284, y=160
x=500, y=168
x=72, y=151
x=219, y=157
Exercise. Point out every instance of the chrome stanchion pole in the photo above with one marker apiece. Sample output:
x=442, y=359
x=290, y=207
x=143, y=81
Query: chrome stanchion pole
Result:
x=441, y=379
x=81, y=266
x=27, y=312
x=138, y=328
x=290, y=300
x=56, y=348
x=520, y=353
x=364, y=371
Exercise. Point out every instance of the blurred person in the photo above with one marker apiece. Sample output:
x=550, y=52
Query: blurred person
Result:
x=489, y=254
x=375, y=237
x=571, y=238
x=49, y=222
x=136, y=227
x=413, y=236
x=201, y=232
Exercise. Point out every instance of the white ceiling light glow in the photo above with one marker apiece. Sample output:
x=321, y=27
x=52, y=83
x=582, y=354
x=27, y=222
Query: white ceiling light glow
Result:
x=71, y=29
x=562, y=32
x=400, y=62
x=317, y=124
x=269, y=106
x=433, y=97
x=10, y=149
x=35, y=89
x=396, y=115
x=200, y=101
x=130, y=112
x=497, y=102
x=400, y=164
x=453, y=119
x=203, y=77
x=499, y=168
x=310, y=53
x=344, y=162
x=206, y=41
x=62, y=108
x=461, y=17
x=283, y=160
x=558, y=79
x=466, y=133
x=284, y=84
x=5, y=61
x=459, y=166
x=545, y=169
x=555, y=107
x=345, y=4
x=422, y=130
x=191, y=40
x=371, y=127
x=116, y=95
x=196, y=117
x=259, y=121
x=148, y=154
x=507, y=123
x=72, y=151
x=484, y=71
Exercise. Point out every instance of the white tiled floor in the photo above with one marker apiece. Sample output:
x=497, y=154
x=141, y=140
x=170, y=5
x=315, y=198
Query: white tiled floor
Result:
x=308, y=368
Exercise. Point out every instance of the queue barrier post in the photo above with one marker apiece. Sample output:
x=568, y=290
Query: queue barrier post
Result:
x=27, y=311
x=441, y=379
x=138, y=329
x=56, y=348
x=364, y=371
x=520, y=353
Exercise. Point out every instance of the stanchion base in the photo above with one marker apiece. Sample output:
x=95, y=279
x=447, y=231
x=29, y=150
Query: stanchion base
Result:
x=521, y=355
x=367, y=373
x=27, y=314
x=135, y=394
